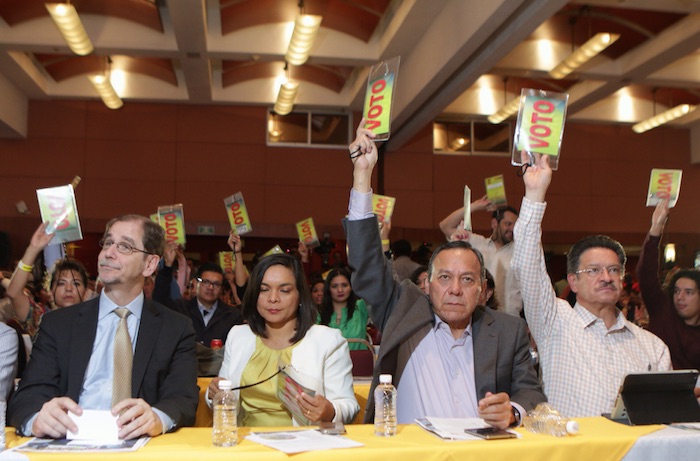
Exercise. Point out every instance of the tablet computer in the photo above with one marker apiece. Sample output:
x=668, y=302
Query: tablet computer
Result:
x=657, y=398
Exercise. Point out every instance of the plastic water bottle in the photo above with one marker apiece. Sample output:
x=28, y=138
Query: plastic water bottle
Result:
x=385, y=407
x=545, y=419
x=225, y=431
x=3, y=411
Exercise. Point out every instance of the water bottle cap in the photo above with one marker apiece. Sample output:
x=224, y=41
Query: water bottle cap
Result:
x=385, y=379
x=225, y=384
x=572, y=427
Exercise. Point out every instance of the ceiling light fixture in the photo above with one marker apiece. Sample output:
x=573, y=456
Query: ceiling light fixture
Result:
x=104, y=87
x=68, y=22
x=663, y=118
x=586, y=52
x=505, y=111
x=305, y=29
x=508, y=108
x=286, y=97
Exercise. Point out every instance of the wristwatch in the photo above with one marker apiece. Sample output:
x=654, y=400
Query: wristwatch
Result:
x=517, y=416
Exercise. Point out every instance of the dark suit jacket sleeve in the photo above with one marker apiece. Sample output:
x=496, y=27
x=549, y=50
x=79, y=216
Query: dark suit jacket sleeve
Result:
x=161, y=290
x=372, y=277
x=42, y=379
x=170, y=381
x=526, y=388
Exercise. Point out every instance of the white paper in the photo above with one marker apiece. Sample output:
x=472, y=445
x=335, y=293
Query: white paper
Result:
x=291, y=442
x=453, y=428
x=467, y=209
x=38, y=445
x=96, y=425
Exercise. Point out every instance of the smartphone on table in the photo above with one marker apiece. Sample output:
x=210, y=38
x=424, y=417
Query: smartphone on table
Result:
x=331, y=428
x=490, y=433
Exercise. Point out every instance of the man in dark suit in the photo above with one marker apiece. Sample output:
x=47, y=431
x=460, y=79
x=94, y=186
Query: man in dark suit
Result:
x=211, y=317
x=448, y=354
x=71, y=367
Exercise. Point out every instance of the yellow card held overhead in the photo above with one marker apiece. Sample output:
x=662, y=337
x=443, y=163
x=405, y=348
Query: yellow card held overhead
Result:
x=307, y=233
x=496, y=190
x=238, y=214
x=664, y=184
x=172, y=219
x=226, y=260
x=383, y=206
x=58, y=208
x=273, y=251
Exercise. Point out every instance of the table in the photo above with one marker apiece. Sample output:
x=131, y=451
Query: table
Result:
x=598, y=439
x=204, y=415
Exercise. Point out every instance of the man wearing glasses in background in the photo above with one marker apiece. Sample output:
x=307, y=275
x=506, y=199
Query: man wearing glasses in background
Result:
x=586, y=351
x=211, y=317
x=78, y=361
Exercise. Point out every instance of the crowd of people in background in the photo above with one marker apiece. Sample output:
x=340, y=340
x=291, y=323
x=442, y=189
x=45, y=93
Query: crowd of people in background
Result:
x=240, y=324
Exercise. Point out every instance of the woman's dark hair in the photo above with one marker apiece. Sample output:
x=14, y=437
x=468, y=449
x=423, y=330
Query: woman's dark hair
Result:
x=416, y=273
x=306, y=315
x=68, y=264
x=492, y=302
x=327, y=304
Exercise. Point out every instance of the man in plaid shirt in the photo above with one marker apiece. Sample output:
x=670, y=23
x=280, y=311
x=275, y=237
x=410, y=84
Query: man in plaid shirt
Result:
x=586, y=350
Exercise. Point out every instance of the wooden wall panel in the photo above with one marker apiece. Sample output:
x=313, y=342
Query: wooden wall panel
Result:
x=220, y=162
x=145, y=155
x=57, y=119
x=238, y=125
x=138, y=122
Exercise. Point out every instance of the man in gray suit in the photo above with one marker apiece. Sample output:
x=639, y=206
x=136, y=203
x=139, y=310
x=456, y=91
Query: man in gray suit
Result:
x=449, y=355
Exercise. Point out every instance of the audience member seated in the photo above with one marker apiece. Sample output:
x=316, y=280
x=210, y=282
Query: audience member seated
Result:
x=73, y=359
x=67, y=284
x=420, y=278
x=403, y=264
x=674, y=314
x=496, y=249
x=317, y=286
x=211, y=318
x=585, y=352
x=342, y=309
x=280, y=328
x=483, y=367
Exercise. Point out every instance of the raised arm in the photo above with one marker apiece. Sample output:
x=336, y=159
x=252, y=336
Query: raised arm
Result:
x=183, y=273
x=372, y=279
x=15, y=291
x=659, y=218
x=454, y=221
x=528, y=263
x=648, y=265
x=239, y=271
x=164, y=277
x=364, y=155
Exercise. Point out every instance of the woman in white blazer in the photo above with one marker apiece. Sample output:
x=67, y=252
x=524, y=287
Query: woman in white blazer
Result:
x=280, y=330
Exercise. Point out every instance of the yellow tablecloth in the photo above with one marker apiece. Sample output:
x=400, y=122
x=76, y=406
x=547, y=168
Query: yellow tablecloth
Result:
x=204, y=414
x=598, y=439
